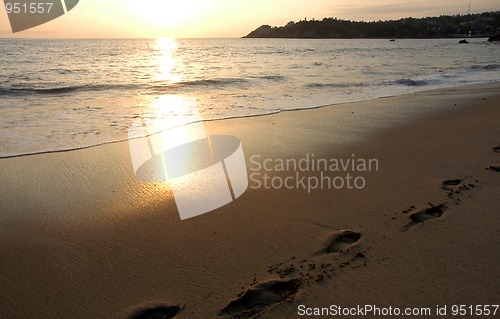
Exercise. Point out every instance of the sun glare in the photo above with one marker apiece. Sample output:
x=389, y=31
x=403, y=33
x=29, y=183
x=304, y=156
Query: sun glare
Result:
x=164, y=13
x=178, y=121
x=166, y=60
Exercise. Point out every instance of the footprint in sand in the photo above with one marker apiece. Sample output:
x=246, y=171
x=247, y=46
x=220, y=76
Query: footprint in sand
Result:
x=496, y=149
x=432, y=212
x=339, y=252
x=265, y=295
x=260, y=298
x=160, y=312
x=452, y=184
x=341, y=241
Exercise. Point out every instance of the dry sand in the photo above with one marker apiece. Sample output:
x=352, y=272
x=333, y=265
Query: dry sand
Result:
x=81, y=237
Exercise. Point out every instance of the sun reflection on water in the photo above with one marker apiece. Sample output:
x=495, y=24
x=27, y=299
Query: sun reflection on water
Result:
x=167, y=60
x=169, y=145
x=176, y=138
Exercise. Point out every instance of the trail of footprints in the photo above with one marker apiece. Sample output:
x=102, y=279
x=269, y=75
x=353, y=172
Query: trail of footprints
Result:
x=341, y=251
x=454, y=187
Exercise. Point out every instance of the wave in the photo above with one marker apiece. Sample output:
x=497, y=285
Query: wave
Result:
x=463, y=75
x=334, y=85
x=14, y=91
x=207, y=83
x=276, y=78
x=211, y=82
x=400, y=82
x=158, y=88
x=409, y=82
x=487, y=67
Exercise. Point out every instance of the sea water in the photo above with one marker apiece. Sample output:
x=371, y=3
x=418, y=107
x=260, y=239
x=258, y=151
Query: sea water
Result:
x=65, y=94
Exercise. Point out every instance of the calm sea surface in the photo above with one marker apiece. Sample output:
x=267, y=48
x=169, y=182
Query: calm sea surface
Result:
x=65, y=94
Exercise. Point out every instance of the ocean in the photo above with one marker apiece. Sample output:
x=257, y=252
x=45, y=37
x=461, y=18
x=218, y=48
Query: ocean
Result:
x=66, y=94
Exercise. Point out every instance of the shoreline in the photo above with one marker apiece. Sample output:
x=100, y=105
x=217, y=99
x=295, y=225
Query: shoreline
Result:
x=423, y=91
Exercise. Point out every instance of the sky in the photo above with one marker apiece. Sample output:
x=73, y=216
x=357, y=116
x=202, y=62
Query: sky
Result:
x=223, y=18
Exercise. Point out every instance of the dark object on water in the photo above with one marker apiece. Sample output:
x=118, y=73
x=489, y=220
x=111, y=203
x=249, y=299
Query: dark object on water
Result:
x=392, y=40
x=495, y=38
x=463, y=41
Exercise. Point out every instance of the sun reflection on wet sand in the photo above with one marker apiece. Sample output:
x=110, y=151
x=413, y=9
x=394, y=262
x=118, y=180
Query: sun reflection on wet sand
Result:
x=169, y=145
x=172, y=121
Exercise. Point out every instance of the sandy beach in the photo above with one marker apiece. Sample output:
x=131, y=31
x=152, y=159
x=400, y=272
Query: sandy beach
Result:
x=82, y=237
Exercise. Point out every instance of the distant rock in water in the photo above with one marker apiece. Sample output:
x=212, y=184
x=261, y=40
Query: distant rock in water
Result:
x=474, y=25
x=463, y=41
x=494, y=38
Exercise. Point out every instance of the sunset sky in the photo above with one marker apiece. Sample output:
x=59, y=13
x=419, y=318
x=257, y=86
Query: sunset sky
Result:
x=223, y=18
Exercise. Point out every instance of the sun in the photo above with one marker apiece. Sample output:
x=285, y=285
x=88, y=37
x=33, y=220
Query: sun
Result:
x=163, y=13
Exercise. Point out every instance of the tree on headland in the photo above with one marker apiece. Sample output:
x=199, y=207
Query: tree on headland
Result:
x=475, y=25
